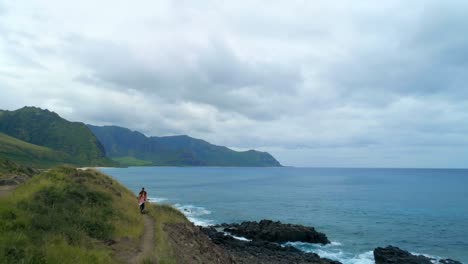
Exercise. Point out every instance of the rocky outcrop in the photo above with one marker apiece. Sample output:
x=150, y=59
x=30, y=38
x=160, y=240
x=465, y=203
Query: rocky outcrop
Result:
x=261, y=251
x=12, y=173
x=193, y=246
x=394, y=255
x=271, y=231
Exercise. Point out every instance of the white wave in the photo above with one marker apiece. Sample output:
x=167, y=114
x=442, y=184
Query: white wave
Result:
x=200, y=222
x=434, y=259
x=241, y=238
x=335, y=252
x=192, y=210
x=237, y=237
x=157, y=199
x=193, y=214
x=363, y=258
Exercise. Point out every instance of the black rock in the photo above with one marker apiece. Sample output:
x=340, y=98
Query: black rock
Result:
x=261, y=251
x=268, y=230
x=394, y=255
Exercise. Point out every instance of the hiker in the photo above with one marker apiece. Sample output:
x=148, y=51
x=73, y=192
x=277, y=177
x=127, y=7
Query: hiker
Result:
x=142, y=199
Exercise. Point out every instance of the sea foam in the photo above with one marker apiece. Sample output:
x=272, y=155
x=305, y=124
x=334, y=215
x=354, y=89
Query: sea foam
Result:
x=193, y=214
x=334, y=251
x=156, y=199
x=236, y=237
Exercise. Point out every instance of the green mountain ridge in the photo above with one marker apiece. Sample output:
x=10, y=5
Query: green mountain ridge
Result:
x=36, y=137
x=122, y=143
x=42, y=138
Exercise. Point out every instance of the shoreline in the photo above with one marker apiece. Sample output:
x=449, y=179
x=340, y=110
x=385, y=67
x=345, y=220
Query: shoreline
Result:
x=340, y=250
x=331, y=251
x=247, y=242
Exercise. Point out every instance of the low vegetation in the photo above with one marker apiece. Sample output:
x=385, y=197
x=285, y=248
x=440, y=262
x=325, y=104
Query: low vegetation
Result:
x=67, y=216
x=12, y=173
x=8, y=167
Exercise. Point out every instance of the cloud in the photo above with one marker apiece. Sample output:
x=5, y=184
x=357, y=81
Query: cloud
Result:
x=207, y=74
x=316, y=83
x=428, y=56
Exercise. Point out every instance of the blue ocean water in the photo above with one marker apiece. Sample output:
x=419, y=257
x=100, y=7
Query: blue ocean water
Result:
x=421, y=210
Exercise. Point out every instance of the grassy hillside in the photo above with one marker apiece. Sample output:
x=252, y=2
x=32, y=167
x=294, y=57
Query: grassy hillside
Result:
x=70, y=216
x=47, y=129
x=131, y=161
x=66, y=215
x=122, y=143
x=30, y=154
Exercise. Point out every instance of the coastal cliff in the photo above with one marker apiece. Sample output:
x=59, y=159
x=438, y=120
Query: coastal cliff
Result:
x=69, y=215
x=132, y=148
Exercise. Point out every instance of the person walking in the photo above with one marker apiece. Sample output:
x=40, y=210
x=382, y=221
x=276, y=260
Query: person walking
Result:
x=142, y=197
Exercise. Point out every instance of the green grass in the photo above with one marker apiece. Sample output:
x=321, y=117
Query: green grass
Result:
x=12, y=173
x=30, y=154
x=131, y=161
x=8, y=168
x=36, y=156
x=66, y=216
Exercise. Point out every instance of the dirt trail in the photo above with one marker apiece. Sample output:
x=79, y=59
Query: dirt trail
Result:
x=146, y=247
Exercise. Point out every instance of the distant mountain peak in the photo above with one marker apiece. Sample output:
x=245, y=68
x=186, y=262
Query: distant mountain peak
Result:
x=37, y=110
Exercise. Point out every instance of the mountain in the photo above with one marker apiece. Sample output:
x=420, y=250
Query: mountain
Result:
x=39, y=137
x=130, y=147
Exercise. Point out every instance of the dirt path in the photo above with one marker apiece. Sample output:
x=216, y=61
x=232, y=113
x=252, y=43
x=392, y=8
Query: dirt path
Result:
x=146, y=247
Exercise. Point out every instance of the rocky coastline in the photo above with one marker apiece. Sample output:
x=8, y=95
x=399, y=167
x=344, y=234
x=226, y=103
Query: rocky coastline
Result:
x=260, y=251
x=267, y=230
x=263, y=242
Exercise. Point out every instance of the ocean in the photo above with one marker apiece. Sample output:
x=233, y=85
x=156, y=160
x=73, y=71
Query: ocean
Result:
x=424, y=211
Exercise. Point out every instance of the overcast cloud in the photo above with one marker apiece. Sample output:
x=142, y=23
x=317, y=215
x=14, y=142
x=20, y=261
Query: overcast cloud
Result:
x=348, y=83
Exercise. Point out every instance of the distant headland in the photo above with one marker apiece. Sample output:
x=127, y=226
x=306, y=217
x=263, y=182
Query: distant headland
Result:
x=41, y=138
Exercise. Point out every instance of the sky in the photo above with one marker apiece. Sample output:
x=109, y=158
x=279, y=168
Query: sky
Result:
x=315, y=83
